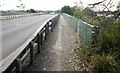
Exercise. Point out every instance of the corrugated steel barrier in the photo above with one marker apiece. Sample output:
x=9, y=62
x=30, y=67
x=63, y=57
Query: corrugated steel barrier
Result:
x=15, y=59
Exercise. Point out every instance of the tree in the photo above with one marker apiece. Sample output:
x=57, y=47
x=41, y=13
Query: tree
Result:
x=89, y=12
x=32, y=11
x=67, y=9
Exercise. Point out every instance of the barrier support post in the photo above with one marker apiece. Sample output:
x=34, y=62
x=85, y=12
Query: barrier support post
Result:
x=31, y=53
x=18, y=65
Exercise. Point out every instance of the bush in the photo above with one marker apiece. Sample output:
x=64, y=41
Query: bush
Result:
x=90, y=59
x=106, y=55
x=103, y=64
x=107, y=42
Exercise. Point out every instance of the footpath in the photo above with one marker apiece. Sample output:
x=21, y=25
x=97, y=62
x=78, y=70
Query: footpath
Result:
x=57, y=50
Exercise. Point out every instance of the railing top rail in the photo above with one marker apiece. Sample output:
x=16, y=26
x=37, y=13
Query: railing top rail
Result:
x=10, y=58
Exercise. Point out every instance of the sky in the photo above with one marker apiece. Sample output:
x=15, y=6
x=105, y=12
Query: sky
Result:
x=38, y=4
x=41, y=4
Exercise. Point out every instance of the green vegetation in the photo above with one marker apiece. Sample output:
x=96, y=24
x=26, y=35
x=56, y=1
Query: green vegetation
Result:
x=105, y=55
x=67, y=9
x=4, y=19
x=31, y=11
x=87, y=15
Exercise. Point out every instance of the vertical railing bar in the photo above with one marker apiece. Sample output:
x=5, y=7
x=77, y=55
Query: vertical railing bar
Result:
x=51, y=26
x=45, y=31
x=38, y=41
x=18, y=65
x=31, y=53
x=41, y=38
x=53, y=21
x=47, y=28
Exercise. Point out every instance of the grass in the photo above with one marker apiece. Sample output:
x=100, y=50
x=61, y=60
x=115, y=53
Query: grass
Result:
x=4, y=19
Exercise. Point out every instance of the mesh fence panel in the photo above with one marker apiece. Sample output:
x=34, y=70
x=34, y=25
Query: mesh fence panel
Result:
x=84, y=30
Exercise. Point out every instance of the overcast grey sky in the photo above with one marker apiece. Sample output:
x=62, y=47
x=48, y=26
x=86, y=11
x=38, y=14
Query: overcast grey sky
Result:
x=41, y=4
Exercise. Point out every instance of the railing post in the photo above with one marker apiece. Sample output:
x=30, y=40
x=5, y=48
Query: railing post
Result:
x=51, y=26
x=41, y=38
x=47, y=28
x=45, y=31
x=53, y=22
x=18, y=65
x=38, y=41
x=31, y=53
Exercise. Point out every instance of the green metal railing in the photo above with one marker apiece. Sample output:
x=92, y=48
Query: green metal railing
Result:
x=86, y=32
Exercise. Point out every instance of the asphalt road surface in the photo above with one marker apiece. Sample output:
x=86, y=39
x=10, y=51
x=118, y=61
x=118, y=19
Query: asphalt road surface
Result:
x=16, y=31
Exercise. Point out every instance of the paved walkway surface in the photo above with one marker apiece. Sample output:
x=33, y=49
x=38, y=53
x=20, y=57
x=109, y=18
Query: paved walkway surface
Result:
x=57, y=49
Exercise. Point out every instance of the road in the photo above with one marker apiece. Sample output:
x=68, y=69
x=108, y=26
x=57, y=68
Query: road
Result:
x=16, y=31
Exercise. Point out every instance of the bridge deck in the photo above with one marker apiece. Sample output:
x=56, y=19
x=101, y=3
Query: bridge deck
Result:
x=57, y=49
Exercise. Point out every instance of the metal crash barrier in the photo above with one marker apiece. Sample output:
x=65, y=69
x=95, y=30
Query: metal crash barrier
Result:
x=16, y=16
x=86, y=32
x=15, y=59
